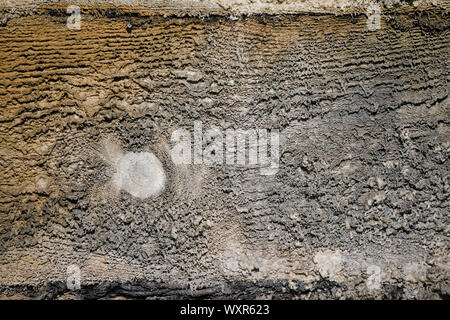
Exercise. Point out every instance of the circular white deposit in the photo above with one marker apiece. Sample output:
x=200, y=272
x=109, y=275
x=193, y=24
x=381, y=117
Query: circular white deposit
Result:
x=140, y=174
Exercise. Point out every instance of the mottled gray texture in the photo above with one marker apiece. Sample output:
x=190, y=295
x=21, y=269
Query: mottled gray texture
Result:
x=358, y=209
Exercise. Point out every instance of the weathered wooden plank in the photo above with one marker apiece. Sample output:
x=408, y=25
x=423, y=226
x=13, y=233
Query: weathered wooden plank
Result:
x=358, y=206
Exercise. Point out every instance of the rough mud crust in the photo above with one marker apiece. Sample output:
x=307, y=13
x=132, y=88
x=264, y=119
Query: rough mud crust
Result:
x=231, y=7
x=358, y=209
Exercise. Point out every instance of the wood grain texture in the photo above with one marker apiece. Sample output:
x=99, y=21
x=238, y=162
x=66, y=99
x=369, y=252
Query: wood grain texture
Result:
x=364, y=155
x=233, y=7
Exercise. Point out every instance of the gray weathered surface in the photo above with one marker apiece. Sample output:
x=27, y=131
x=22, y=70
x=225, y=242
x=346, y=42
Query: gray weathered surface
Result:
x=358, y=209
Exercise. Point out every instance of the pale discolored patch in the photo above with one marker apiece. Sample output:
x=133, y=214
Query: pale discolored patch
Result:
x=329, y=264
x=140, y=174
x=374, y=280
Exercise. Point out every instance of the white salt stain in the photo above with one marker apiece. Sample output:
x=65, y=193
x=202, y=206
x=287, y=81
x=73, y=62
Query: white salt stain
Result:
x=141, y=174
